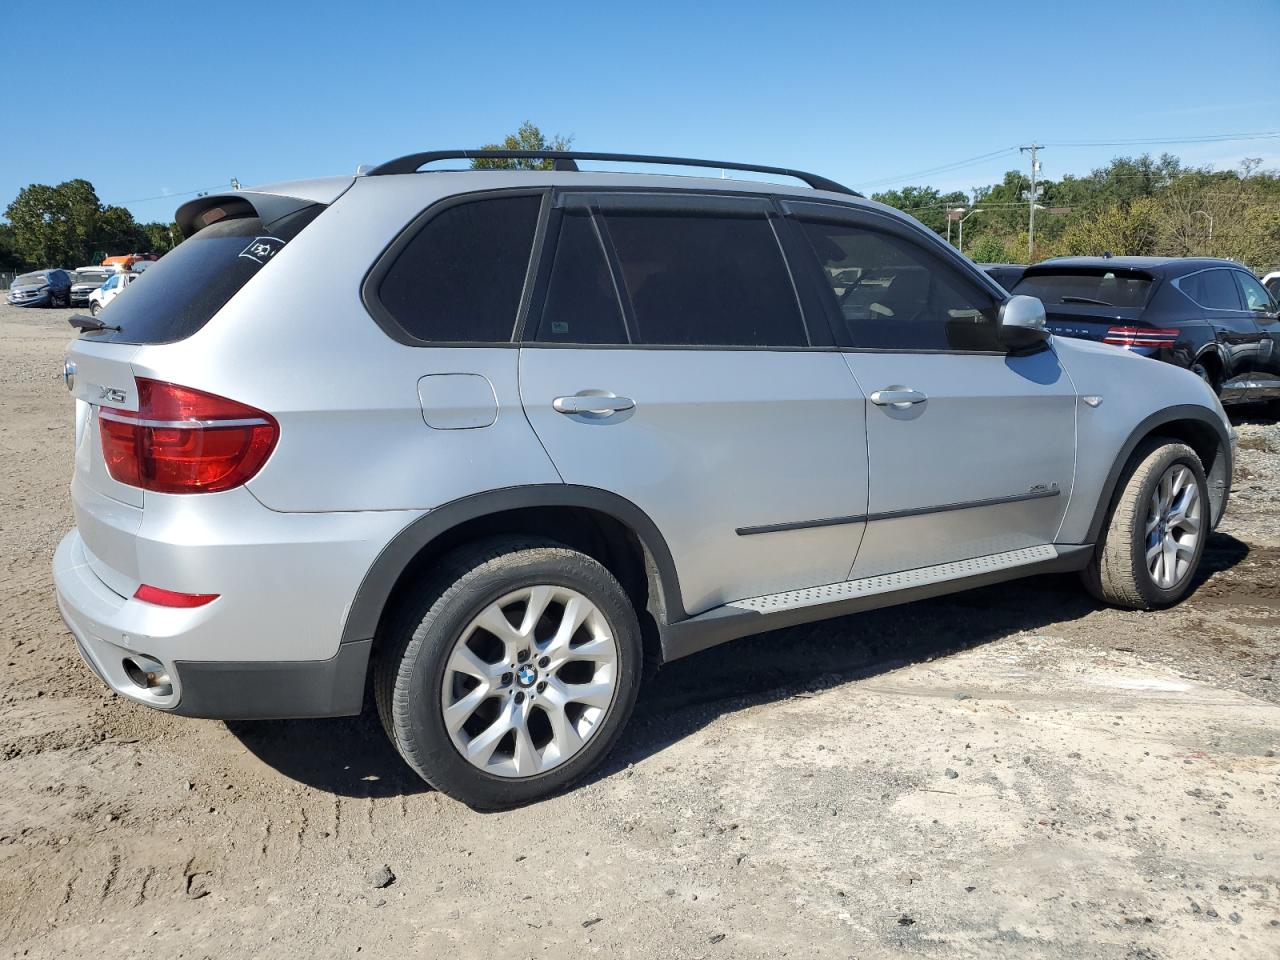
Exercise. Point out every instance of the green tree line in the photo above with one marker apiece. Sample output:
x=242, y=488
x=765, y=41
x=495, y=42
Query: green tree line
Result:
x=68, y=226
x=1133, y=206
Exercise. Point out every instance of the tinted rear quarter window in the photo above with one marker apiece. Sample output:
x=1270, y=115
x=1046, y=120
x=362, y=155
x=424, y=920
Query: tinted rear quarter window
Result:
x=1212, y=289
x=181, y=292
x=705, y=279
x=1087, y=287
x=459, y=279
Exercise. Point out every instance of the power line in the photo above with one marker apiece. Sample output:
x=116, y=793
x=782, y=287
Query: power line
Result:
x=167, y=196
x=1151, y=141
x=1207, y=138
x=944, y=168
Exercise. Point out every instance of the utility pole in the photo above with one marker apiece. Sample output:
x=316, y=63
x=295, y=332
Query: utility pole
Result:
x=953, y=213
x=1031, y=220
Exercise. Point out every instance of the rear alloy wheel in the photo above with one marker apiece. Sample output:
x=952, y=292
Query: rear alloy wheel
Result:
x=529, y=681
x=511, y=673
x=1156, y=529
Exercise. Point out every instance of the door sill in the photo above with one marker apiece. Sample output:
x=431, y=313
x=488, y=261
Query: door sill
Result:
x=776, y=611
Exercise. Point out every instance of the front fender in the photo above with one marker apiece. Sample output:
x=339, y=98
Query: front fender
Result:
x=1136, y=397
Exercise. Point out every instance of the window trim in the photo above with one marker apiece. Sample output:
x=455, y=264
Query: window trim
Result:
x=383, y=263
x=1239, y=307
x=877, y=222
x=531, y=318
x=671, y=201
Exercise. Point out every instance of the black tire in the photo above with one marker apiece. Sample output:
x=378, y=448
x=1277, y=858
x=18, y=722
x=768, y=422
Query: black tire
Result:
x=94, y=307
x=1117, y=573
x=411, y=657
x=1206, y=369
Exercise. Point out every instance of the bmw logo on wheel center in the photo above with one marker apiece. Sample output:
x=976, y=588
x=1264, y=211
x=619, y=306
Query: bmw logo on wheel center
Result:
x=527, y=675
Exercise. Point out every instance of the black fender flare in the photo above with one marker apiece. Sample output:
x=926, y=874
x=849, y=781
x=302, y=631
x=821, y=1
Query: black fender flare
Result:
x=1221, y=476
x=374, y=591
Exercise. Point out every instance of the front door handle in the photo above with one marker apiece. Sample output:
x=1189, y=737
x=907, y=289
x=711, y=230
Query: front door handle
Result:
x=584, y=403
x=900, y=397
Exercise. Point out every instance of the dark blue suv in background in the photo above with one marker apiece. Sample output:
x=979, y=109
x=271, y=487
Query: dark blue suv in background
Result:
x=41, y=288
x=1211, y=316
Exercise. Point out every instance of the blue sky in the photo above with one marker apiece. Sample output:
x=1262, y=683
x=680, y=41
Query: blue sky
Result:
x=159, y=99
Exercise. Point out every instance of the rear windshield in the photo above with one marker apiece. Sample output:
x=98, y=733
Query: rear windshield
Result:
x=1098, y=287
x=182, y=290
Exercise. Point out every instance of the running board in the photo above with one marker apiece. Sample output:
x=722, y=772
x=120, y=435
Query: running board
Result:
x=778, y=610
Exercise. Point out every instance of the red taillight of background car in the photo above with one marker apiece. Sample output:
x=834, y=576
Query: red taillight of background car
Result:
x=182, y=440
x=1140, y=337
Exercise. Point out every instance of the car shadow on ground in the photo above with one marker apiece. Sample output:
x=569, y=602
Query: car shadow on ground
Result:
x=352, y=757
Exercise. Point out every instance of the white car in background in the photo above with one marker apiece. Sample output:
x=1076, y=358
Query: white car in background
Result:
x=109, y=291
x=1272, y=282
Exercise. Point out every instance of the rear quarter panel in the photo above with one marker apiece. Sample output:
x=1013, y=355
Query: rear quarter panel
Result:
x=297, y=342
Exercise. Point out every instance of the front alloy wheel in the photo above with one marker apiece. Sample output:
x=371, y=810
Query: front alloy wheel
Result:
x=1173, y=526
x=1156, y=529
x=529, y=681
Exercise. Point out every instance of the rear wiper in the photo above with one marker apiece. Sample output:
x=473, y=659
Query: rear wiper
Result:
x=1090, y=300
x=89, y=324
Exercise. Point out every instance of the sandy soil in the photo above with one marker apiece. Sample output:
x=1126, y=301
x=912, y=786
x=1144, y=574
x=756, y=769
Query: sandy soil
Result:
x=1010, y=772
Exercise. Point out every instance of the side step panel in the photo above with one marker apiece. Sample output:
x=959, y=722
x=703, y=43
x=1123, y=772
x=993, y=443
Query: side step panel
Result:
x=776, y=611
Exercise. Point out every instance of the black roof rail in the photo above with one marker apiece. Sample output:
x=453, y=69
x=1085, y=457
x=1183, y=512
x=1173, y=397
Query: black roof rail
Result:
x=567, y=160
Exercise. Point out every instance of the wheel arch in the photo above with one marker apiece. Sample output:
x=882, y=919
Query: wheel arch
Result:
x=1200, y=429
x=601, y=524
x=1212, y=352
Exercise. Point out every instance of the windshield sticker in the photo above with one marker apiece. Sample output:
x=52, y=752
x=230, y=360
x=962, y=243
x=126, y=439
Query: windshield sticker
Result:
x=262, y=249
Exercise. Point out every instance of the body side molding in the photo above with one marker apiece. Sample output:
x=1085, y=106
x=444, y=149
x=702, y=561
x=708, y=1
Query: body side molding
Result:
x=1039, y=494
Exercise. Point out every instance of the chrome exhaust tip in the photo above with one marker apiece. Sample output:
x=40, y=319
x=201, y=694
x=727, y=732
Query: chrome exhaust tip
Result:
x=148, y=674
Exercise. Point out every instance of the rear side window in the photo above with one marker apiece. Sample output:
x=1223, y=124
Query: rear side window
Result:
x=705, y=279
x=1097, y=287
x=460, y=278
x=1211, y=289
x=893, y=295
x=181, y=291
x=582, y=303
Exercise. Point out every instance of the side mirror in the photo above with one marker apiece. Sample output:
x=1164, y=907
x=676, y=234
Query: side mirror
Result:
x=1022, y=323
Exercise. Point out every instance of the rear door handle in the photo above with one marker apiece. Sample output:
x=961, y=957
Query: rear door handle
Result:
x=600, y=406
x=900, y=397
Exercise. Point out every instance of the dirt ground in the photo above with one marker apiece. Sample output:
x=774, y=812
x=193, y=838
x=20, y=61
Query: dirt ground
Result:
x=1009, y=772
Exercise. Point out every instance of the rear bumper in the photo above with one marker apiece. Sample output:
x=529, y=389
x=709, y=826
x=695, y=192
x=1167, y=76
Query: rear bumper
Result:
x=116, y=634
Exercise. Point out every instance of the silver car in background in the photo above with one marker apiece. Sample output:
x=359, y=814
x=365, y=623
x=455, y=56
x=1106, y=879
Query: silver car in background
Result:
x=502, y=437
x=85, y=280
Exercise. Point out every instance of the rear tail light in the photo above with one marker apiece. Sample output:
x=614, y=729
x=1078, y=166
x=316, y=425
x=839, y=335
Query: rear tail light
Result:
x=168, y=598
x=182, y=440
x=1140, y=337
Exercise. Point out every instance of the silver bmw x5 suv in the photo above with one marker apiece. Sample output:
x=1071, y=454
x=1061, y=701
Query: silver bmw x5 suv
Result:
x=494, y=440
